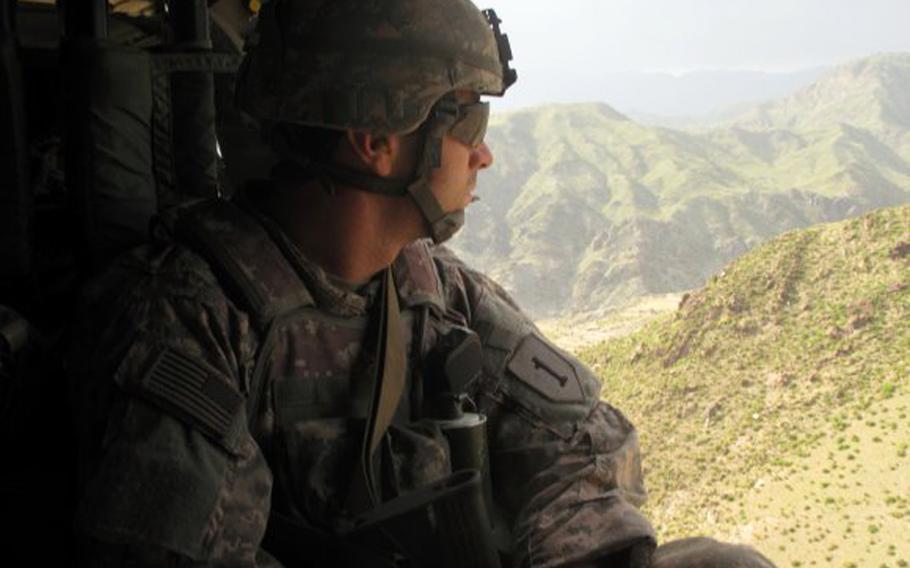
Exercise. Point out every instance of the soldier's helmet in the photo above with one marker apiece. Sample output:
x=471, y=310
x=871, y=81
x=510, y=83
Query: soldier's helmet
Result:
x=377, y=65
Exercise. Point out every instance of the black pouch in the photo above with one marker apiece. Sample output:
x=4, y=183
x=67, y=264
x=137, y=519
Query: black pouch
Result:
x=444, y=525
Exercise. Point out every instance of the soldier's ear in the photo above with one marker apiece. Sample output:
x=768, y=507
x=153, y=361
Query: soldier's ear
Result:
x=373, y=153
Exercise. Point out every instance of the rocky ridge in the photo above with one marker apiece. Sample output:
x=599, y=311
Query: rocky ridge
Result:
x=586, y=210
x=774, y=403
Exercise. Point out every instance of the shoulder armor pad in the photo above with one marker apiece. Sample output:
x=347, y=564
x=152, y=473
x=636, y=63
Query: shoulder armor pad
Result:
x=543, y=369
x=244, y=256
x=554, y=389
x=417, y=279
x=157, y=482
x=524, y=370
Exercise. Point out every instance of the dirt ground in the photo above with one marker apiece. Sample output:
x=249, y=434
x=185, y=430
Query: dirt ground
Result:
x=845, y=504
x=582, y=330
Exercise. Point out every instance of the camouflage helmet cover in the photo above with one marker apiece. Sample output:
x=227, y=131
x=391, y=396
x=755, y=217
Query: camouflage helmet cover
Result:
x=377, y=65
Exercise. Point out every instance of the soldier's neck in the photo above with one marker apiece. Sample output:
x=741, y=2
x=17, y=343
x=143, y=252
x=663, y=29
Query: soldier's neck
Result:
x=349, y=233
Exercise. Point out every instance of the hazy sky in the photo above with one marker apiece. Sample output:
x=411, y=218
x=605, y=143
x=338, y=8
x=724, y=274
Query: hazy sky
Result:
x=558, y=41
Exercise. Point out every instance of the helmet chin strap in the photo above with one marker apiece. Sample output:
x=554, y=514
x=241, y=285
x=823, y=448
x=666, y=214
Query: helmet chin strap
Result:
x=442, y=225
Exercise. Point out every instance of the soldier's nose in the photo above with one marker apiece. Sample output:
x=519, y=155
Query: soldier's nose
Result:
x=482, y=157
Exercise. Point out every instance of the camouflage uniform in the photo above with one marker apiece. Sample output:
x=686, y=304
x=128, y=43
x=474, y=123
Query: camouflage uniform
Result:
x=565, y=465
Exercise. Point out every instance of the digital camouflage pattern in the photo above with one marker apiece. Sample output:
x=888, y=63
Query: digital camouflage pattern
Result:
x=160, y=485
x=566, y=476
x=369, y=65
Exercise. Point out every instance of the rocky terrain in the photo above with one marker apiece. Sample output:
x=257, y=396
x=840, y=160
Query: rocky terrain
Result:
x=587, y=210
x=774, y=403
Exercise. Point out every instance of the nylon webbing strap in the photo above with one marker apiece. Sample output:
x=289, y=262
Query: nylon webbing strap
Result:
x=196, y=164
x=388, y=387
x=387, y=394
x=241, y=251
x=393, y=187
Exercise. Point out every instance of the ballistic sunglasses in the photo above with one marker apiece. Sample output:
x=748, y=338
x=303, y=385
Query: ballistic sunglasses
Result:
x=470, y=124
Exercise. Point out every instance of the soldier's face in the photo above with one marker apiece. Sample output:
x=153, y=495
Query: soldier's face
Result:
x=455, y=181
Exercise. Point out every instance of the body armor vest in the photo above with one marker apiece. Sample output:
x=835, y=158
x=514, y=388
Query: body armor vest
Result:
x=310, y=388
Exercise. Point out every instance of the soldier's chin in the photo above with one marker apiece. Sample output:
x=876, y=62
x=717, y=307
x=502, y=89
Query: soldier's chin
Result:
x=470, y=198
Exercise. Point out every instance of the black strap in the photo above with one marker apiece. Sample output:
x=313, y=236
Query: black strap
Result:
x=183, y=122
x=246, y=258
x=335, y=173
x=443, y=524
x=393, y=187
x=252, y=266
x=295, y=541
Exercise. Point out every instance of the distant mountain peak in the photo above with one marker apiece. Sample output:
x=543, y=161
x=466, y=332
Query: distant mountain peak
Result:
x=586, y=209
x=879, y=61
x=871, y=92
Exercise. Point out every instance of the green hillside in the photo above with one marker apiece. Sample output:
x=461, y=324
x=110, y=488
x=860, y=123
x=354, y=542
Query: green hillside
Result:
x=774, y=404
x=586, y=209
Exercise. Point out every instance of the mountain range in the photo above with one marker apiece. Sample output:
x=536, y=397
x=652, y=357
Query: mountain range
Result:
x=586, y=209
x=698, y=96
x=773, y=403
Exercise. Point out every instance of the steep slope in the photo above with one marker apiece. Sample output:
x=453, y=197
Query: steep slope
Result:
x=566, y=178
x=773, y=405
x=586, y=209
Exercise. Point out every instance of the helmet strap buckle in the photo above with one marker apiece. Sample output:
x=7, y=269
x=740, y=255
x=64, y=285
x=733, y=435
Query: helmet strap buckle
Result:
x=446, y=108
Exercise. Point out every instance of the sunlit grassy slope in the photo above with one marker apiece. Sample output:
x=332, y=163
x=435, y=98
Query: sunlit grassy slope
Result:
x=585, y=209
x=774, y=404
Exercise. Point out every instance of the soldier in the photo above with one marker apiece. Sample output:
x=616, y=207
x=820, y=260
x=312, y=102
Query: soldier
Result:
x=276, y=379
